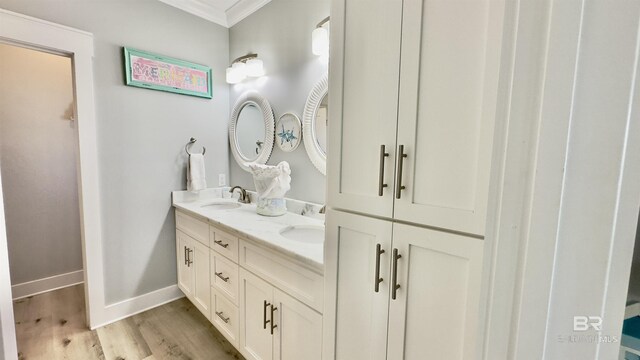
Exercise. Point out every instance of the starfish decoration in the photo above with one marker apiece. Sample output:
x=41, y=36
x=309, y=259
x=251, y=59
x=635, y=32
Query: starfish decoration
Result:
x=286, y=136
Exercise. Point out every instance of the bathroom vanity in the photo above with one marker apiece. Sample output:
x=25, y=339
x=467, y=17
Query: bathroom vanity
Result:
x=259, y=280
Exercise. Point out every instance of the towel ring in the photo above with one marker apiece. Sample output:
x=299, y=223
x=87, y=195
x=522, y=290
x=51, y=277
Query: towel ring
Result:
x=191, y=142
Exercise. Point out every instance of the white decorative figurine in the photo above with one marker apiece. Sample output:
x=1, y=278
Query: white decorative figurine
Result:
x=272, y=182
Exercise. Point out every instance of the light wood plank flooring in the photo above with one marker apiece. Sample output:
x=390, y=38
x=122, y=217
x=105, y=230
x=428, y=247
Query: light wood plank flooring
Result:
x=51, y=326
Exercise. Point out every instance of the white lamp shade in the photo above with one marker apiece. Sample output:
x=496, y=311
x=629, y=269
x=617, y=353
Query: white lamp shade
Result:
x=320, y=41
x=255, y=68
x=239, y=70
x=232, y=76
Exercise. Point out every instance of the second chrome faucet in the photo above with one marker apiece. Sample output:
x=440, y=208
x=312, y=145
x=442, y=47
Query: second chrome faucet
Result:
x=243, y=197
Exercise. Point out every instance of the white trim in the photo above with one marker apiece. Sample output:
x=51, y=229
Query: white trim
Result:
x=40, y=34
x=124, y=309
x=317, y=93
x=44, y=285
x=223, y=17
x=242, y=9
x=8, y=344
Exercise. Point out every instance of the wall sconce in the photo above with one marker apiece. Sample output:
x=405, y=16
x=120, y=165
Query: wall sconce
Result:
x=248, y=65
x=320, y=39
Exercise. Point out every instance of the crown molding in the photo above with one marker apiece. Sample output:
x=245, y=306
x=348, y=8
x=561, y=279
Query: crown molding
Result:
x=200, y=9
x=226, y=18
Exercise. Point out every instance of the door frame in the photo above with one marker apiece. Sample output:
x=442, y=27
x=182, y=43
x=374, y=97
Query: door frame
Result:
x=25, y=31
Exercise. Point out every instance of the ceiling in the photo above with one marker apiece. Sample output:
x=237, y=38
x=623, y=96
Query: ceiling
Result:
x=222, y=12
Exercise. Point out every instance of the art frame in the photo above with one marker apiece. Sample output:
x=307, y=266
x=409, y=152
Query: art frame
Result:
x=163, y=73
x=288, y=132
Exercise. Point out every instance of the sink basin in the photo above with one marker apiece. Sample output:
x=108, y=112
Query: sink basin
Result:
x=222, y=205
x=310, y=234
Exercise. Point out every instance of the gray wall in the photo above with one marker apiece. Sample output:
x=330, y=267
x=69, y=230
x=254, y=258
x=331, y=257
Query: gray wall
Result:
x=141, y=133
x=38, y=161
x=280, y=33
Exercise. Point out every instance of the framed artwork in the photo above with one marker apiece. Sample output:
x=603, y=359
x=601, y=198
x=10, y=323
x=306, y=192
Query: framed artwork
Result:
x=163, y=73
x=288, y=132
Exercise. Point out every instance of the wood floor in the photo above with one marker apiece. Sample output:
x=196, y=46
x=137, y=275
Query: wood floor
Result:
x=51, y=326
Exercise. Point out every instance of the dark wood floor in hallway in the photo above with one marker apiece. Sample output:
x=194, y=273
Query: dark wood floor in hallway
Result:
x=51, y=326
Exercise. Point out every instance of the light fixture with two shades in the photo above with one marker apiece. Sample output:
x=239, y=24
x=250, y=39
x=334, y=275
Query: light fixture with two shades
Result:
x=243, y=67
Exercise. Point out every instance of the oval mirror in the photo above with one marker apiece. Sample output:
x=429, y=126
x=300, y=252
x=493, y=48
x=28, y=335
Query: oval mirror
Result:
x=316, y=119
x=251, y=129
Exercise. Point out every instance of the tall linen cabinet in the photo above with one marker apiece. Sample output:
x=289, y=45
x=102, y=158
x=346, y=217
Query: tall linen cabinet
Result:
x=413, y=94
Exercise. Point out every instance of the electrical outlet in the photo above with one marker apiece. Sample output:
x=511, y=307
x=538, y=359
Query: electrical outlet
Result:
x=222, y=181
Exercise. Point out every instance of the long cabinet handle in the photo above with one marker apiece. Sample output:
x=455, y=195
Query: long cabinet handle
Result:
x=264, y=314
x=219, y=242
x=224, y=278
x=399, y=186
x=186, y=256
x=221, y=316
x=273, y=325
x=189, y=252
x=378, y=280
x=381, y=184
x=394, y=278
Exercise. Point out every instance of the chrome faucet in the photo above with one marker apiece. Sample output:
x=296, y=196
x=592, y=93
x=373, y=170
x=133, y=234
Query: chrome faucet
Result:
x=244, y=197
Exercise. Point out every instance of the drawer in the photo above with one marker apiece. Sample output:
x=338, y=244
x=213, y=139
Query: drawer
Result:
x=224, y=276
x=225, y=317
x=295, y=280
x=193, y=227
x=224, y=243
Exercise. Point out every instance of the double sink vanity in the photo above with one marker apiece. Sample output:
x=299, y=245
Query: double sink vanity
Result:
x=259, y=280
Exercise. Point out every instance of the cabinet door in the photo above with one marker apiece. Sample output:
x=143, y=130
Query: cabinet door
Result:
x=201, y=282
x=256, y=297
x=356, y=325
x=447, y=106
x=363, y=97
x=299, y=330
x=435, y=311
x=185, y=274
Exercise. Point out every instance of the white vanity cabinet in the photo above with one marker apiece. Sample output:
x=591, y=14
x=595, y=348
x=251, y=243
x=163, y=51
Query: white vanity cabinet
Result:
x=274, y=325
x=403, y=292
x=193, y=271
x=413, y=134
x=266, y=304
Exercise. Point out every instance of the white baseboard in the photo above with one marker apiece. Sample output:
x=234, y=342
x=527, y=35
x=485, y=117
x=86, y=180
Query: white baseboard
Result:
x=138, y=304
x=40, y=286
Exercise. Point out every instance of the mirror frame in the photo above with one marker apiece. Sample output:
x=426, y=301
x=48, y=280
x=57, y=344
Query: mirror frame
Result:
x=315, y=153
x=254, y=98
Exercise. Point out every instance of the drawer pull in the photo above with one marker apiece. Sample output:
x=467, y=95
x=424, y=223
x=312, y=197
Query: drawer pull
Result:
x=399, y=186
x=224, y=278
x=394, y=282
x=273, y=325
x=186, y=256
x=219, y=242
x=220, y=315
x=190, y=251
x=381, y=184
x=378, y=280
x=264, y=315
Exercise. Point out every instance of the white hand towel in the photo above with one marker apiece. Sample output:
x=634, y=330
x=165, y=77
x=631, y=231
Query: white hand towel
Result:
x=195, y=173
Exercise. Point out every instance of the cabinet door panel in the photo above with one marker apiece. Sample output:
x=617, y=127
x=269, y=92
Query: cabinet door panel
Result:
x=363, y=99
x=435, y=313
x=201, y=281
x=256, y=342
x=360, y=316
x=299, y=332
x=448, y=99
x=185, y=275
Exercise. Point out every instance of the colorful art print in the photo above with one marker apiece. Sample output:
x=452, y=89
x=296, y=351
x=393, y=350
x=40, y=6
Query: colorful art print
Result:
x=167, y=74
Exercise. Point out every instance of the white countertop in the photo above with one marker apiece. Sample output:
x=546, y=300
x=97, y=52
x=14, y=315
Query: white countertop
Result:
x=264, y=230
